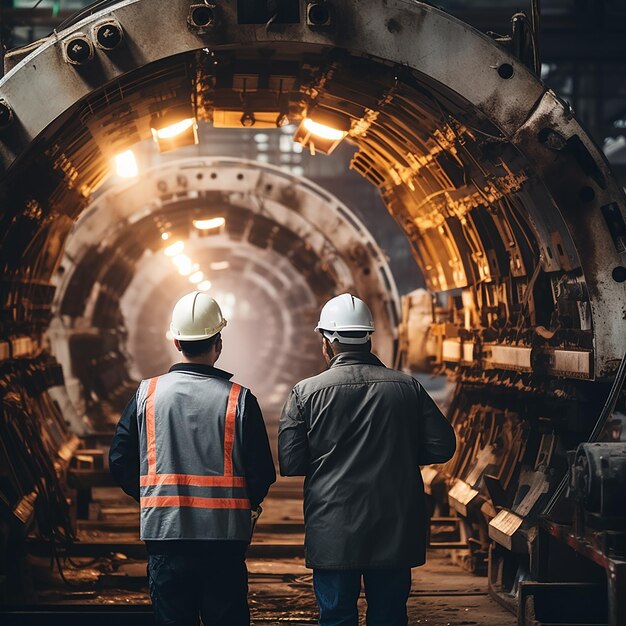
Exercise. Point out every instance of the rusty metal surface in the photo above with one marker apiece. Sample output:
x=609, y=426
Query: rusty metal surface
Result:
x=509, y=206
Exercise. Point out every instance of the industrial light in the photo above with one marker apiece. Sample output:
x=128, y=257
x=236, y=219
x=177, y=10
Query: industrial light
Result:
x=205, y=285
x=196, y=277
x=219, y=265
x=174, y=249
x=322, y=130
x=183, y=263
x=165, y=236
x=181, y=260
x=126, y=164
x=185, y=270
x=209, y=224
x=175, y=129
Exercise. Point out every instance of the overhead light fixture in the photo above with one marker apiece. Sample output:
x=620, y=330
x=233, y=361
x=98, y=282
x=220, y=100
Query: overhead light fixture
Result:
x=126, y=164
x=189, y=268
x=196, y=277
x=169, y=132
x=174, y=249
x=219, y=265
x=210, y=223
x=185, y=265
x=181, y=260
x=165, y=236
x=322, y=130
x=204, y=285
x=174, y=129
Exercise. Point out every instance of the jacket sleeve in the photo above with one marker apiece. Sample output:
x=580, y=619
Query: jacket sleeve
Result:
x=436, y=438
x=293, y=445
x=257, y=455
x=124, y=451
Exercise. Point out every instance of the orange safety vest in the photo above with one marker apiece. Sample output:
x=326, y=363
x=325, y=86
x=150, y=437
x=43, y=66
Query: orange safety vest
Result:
x=191, y=476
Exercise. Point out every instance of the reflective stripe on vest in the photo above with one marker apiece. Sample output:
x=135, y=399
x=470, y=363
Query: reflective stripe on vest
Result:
x=227, y=480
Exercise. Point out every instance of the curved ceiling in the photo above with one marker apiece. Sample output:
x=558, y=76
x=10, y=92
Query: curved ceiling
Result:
x=491, y=177
x=296, y=244
x=510, y=208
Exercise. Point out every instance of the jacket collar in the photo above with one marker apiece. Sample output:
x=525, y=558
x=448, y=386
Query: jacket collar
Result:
x=201, y=368
x=355, y=358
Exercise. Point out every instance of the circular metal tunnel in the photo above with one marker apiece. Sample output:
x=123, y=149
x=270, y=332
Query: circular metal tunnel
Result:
x=285, y=247
x=511, y=210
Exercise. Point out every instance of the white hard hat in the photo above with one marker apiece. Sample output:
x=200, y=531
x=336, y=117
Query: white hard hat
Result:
x=345, y=313
x=196, y=316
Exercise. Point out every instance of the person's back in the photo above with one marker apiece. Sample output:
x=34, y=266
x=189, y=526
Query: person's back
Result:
x=192, y=449
x=359, y=432
x=193, y=472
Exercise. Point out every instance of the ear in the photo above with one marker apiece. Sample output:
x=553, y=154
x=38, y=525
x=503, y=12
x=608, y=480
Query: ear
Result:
x=177, y=344
x=327, y=348
x=217, y=346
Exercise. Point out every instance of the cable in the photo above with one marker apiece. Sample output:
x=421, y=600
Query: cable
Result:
x=536, y=23
x=526, y=298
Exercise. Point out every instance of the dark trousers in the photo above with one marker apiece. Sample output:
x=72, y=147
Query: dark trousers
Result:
x=207, y=582
x=386, y=592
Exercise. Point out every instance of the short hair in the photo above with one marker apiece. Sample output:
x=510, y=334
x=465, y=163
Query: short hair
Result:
x=198, y=348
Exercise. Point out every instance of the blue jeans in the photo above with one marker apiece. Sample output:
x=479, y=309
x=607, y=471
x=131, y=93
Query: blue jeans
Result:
x=211, y=582
x=386, y=592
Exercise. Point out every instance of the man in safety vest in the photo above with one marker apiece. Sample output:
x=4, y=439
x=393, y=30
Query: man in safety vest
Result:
x=359, y=432
x=192, y=448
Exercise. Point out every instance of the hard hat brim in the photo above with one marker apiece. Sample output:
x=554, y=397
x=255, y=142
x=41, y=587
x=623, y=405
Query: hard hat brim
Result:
x=347, y=328
x=198, y=337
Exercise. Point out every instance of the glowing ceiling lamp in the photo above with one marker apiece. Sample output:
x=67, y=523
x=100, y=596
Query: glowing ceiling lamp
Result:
x=196, y=277
x=219, y=265
x=165, y=236
x=169, y=132
x=175, y=249
x=209, y=224
x=322, y=130
x=126, y=164
x=181, y=260
x=204, y=285
x=185, y=270
x=174, y=129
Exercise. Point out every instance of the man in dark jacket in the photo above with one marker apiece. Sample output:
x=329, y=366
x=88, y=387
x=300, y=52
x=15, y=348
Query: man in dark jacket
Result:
x=359, y=432
x=192, y=449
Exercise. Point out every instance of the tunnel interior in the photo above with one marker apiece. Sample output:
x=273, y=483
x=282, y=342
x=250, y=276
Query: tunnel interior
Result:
x=282, y=246
x=512, y=214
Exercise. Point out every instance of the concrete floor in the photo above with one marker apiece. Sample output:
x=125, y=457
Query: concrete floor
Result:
x=281, y=589
x=280, y=586
x=442, y=595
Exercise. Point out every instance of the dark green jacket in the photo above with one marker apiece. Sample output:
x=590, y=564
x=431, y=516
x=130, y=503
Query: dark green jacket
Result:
x=359, y=432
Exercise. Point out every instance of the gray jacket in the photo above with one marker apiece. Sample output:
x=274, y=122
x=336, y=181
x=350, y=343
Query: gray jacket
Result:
x=359, y=432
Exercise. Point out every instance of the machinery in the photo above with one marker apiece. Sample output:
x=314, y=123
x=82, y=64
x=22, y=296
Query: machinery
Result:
x=513, y=215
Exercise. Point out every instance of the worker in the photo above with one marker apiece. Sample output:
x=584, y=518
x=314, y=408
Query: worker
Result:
x=359, y=432
x=192, y=448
